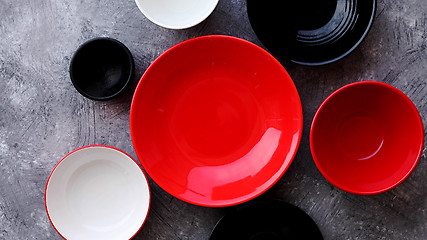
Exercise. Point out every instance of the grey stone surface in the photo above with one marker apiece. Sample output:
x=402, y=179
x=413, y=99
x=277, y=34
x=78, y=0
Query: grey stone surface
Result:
x=42, y=117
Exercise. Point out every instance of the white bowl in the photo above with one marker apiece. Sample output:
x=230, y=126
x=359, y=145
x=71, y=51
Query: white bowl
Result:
x=97, y=192
x=176, y=14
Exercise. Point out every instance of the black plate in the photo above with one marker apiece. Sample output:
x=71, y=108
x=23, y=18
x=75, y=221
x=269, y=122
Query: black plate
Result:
x=266, y=220
x=311, y=32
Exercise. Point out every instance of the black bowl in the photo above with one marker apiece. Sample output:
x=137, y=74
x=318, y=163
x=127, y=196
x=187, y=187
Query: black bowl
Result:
x=266, y=219
x=311, y=32
x=101, y=68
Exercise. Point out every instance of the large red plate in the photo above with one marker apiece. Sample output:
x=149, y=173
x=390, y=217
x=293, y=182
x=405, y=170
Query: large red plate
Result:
x=216, y=121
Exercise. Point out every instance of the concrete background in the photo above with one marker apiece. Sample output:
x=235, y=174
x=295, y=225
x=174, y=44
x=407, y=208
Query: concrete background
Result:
x=42, y=117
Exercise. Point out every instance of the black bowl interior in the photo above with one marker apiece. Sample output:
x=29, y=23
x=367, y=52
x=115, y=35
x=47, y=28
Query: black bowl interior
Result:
x=267, y=219
x=101, y=68
x=311, y=32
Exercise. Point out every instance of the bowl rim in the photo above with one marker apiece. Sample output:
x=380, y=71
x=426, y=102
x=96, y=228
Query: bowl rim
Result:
x=130, y=62
x=409, y=104
x=101, y=146
x=171, y=26
x=161, y=58
x=350, y=50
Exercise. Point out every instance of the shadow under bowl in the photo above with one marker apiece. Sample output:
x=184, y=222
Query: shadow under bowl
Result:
x=366, y=137
x=101, y=68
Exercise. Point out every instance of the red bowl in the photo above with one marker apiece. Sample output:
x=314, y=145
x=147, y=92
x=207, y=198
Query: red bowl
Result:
x=366, y=137
x=216, y=121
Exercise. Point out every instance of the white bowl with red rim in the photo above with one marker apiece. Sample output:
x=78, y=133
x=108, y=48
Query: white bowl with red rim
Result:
x=174, y=14
x=97, y=192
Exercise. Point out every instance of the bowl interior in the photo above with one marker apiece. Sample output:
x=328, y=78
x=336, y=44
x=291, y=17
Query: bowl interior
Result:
x=101, y=68
x=311, y=32
x=216, y=120
x=366, y=137
x=97, y=193
x=176, y=14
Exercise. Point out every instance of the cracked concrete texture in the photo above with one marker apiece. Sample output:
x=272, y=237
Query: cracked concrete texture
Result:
x=42, y=117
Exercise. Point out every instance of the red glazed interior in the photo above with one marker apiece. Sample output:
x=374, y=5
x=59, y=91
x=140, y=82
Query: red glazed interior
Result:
x=366, y=137
x=216, y=121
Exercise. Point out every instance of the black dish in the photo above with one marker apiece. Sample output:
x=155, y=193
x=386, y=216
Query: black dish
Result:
x=268, y=219
x=311, y=32
x=101, y=68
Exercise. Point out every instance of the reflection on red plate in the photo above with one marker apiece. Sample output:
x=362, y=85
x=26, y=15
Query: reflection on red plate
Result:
x=366, y=137
x=216, y=120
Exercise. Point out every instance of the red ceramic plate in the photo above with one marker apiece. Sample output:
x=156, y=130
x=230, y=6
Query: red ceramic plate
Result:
x=367, y=137
x=216, y=121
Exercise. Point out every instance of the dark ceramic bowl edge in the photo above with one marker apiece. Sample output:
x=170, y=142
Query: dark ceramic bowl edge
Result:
x=128, y=80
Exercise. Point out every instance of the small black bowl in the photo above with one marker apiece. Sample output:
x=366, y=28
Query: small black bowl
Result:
x=101, y=68
x=311, y=32
x=266, y=219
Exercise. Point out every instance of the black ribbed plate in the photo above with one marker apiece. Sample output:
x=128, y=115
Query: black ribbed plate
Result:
x=267, y=219
x=311, y=32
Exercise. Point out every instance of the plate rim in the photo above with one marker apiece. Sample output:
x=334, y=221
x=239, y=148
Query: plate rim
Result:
x=94, y=146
